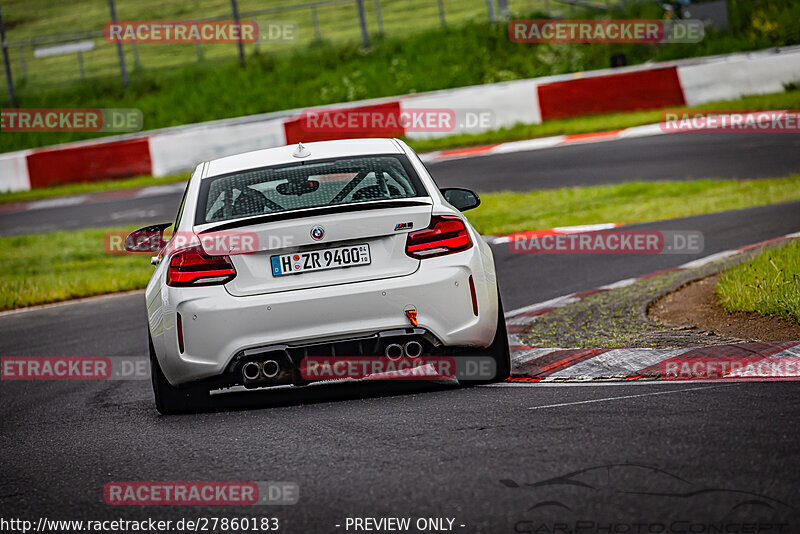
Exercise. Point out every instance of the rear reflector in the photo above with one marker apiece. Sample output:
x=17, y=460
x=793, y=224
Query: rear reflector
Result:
x=445, y=235
x=180, y=333
x=191, y=267
x=474, y=296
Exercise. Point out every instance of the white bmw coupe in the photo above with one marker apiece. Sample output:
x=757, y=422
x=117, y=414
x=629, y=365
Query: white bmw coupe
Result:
x=332, y=249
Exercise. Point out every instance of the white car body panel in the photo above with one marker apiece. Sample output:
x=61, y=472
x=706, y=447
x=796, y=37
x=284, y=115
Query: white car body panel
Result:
x=255, y=309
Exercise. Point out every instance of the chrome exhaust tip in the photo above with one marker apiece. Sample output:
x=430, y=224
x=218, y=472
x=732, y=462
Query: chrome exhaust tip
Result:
x=394, y=352
x=413, y=349
x=270, y=368
x=251, y=370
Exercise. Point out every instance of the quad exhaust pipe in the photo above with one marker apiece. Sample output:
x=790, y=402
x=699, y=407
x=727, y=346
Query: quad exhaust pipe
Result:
x=413, y=349
x=395, y=351
x=251, y=371
x=254, y=370
x=270, y=368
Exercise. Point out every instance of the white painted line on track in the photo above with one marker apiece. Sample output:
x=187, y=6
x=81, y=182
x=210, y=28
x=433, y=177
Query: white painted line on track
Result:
x=708, y=259
x=59, y=202
x=607, y=399
x=156, y=190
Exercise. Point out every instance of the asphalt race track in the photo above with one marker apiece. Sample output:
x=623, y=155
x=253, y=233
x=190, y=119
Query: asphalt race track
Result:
x=508, y=458
x=684, y=156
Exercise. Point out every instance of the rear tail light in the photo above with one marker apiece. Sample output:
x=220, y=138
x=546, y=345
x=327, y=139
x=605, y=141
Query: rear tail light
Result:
x=191, y=267
x=445, y=235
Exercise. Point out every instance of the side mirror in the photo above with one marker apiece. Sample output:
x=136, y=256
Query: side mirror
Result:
x=460, y=198
x=147, y=239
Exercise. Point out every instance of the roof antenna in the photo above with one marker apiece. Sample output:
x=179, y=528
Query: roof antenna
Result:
x=301, y=151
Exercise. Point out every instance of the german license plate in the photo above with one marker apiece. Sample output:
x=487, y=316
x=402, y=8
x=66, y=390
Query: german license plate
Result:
x=320, y=260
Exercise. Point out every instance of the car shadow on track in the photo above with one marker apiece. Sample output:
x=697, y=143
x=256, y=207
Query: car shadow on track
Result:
x=321, y=392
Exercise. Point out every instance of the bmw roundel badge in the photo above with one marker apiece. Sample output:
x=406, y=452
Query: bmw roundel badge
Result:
x=317, y=233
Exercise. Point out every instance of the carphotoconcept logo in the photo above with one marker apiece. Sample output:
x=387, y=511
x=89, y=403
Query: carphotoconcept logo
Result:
x=605, y=31
x=70, y=120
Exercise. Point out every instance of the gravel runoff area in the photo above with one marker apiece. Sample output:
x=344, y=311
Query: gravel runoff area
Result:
x=662, y=311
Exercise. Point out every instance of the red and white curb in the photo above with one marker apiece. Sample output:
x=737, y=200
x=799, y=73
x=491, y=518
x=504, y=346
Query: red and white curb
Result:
x=541, y=143
x=531, y=364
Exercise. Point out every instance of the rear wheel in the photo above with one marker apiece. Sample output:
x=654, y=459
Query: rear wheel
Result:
x=498, y=351
x=170, y=399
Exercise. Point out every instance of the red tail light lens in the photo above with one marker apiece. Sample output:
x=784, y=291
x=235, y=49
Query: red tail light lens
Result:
x=445, y=235
x=191, y=267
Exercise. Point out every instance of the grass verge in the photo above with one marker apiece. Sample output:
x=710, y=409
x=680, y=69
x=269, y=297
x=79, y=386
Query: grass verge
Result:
x=767, y=285
x=89, y=187
x=42, y=268
x=506, y=212
x=52, y=267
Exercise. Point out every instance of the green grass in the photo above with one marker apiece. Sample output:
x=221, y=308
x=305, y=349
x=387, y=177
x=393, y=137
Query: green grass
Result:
x=89, y=187
x=502, y=213
x=42, y=268
x=768, y=285
x=52, y=267
x=316, y=74
x=338, y=23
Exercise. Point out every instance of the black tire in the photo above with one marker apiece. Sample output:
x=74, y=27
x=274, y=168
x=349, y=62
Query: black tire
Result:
x=498, y=350
x=170, y=399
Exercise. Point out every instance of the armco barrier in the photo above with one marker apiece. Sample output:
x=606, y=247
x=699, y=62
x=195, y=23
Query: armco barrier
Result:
x=177, y=151
x=14, y=171
x=508, y=103
x=90, y=162
x=631, y=91
x=738, y=76
x=693, y=81
x=297, y=128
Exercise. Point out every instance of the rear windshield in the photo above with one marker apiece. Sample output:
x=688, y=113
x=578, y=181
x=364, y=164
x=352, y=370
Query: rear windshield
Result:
x=304, y=185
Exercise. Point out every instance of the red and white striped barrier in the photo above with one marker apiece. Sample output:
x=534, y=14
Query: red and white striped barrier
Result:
x=174, y=150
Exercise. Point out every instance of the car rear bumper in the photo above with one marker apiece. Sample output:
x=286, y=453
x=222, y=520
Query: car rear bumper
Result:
x=216, y=325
